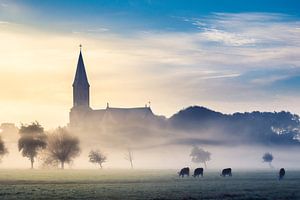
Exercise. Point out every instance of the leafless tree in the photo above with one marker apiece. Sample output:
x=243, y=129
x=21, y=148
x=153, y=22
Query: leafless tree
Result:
x=129, y=157
x=62, y=147
x=97, y=157
x=199, y=155
x=32, y=139
x=3, y=149
x=47, y=161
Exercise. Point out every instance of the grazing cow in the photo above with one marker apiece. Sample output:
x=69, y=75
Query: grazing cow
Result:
x=184, y=171
x=197, y=172
x=226, y=172
x=281, y=173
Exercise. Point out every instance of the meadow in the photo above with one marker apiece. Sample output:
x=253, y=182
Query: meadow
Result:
x=145, y=184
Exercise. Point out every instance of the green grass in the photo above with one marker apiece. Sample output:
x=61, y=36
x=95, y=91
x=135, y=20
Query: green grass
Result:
x=145, y=184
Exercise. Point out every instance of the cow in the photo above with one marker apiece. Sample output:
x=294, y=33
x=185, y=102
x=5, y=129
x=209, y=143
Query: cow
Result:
x=226, y=171
x=281, y=173
x=184, y=171
x=197, y=172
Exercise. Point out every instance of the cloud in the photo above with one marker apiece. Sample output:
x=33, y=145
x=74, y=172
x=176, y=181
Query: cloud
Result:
x=259, y=29
x=230, y=39
x=91, y=31
x=99, y=30
x=4, y=22
x=222, y=76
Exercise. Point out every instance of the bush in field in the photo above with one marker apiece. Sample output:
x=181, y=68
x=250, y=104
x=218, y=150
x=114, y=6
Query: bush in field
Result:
x=97, y=157
x=268, y=157
x=3, y=149
x=32, y=139
x=199, y=155
x=62, y=147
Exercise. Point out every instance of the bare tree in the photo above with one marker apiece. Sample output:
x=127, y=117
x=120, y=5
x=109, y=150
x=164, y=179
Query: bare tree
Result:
x=47, y=161
x=199, y=155
x=97, y=157
x=32, y=139
x=62, y=147
x=3, y=149
x=129, y=157
x=268, y=157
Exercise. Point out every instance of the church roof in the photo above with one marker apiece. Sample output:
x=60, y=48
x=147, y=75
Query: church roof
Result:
x=128, y=111
x=121, y=114
x=80, y=76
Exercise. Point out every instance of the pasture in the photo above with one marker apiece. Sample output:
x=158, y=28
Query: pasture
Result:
x=145, y=184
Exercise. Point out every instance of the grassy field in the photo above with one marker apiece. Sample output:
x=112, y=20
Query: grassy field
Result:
x=145, y=184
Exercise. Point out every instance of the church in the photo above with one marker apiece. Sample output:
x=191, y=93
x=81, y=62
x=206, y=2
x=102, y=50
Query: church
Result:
x=83, y=116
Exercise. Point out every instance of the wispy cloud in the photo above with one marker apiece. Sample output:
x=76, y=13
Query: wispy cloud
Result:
x=262, y=29
x=99, y=30
x=4, y=22
x=91, y=31
x=227, y=38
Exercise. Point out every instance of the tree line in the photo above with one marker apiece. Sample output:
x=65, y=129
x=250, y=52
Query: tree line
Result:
x=60, y=147
x=53, y=149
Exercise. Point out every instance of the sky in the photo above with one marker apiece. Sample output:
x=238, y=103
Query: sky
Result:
x=228, y=55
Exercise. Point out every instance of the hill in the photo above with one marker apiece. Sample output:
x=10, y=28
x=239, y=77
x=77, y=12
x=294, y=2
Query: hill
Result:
x=268, y=128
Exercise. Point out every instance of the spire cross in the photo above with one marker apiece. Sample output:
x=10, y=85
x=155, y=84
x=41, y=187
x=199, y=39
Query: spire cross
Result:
x=80, y=46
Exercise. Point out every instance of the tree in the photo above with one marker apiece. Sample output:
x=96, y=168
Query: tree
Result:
x=47, y=161
x=268, y=157
x=3, y=149
x=32, y=139
x=62, y=147
x=200, y=156
x=97, y=157
x=129, y=157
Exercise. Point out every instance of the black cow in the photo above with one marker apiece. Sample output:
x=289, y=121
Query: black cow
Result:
x=197, y=172
x=226, y=172
x=184, y=171
x=281, y=173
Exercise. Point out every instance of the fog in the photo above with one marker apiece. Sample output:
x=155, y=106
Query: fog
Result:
x=161, y=148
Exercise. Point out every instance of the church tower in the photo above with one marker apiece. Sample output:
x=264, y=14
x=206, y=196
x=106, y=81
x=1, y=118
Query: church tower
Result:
x=83, y=117
x=81, y=86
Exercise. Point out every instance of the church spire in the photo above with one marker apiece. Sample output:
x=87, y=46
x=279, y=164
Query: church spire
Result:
x=80, y=85
x=80, y=76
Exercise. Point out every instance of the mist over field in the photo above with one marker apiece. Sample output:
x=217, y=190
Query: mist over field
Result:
x=238, y=141
x=169, y=156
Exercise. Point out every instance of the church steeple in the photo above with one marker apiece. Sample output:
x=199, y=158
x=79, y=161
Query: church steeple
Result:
x=81, y=86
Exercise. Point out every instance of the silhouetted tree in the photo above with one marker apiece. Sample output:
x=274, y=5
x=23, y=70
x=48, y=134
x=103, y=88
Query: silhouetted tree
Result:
x=97, y=157
x=268, y=157
x=3, y=149
x=200, y=156
x=129, y=157
x=32, y=139
x=62, y=147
